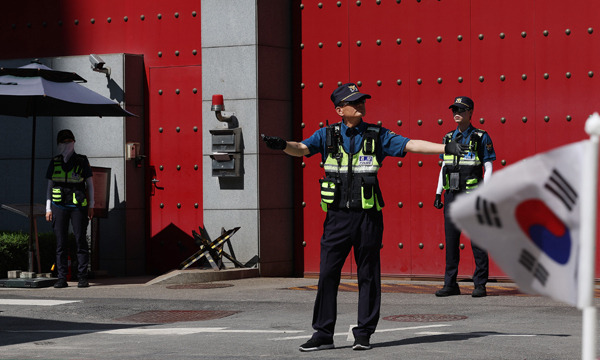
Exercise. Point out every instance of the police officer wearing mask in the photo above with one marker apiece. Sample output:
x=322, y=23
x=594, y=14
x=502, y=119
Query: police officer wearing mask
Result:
x=69, y=198
x=352, y=152
x=463, y=174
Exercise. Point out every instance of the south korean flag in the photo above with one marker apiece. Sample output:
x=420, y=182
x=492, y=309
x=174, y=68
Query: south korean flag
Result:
x=527, y=217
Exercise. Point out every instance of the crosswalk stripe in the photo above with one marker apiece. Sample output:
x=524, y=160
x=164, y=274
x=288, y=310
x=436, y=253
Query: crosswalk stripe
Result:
x=36, y=302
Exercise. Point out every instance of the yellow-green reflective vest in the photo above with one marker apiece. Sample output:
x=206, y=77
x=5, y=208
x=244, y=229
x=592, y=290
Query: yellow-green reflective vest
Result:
x=351, y=180
x=468, y=167
x=69, y=186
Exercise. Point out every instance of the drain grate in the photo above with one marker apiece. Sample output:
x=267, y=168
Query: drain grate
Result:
x=171, y=316
x=199, y=286
x=424, y=318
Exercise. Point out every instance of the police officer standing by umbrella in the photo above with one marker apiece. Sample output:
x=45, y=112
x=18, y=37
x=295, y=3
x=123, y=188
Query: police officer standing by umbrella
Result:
x=70, y=198
x=352, y=152
x=462, y=174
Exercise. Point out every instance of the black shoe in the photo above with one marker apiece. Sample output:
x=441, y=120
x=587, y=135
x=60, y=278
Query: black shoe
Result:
x=317, y=344
x=83, y=283
x=448, y=291
x=361, y=343
x=479, y=291
x=61, y=283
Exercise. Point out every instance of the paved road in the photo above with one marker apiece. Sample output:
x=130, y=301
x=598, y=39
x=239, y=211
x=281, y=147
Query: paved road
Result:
x=268, y=318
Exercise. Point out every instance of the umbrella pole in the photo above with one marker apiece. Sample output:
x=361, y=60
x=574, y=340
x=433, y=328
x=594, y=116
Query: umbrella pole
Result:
x=31, y=219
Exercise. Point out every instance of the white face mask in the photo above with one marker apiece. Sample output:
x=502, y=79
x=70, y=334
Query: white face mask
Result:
x=66, y=150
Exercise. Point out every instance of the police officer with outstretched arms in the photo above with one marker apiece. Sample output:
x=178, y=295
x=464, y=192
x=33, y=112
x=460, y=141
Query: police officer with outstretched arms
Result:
x=352, y=152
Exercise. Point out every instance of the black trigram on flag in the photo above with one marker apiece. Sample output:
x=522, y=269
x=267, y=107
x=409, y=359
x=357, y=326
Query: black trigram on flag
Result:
x=487, y=213
x=530, y=263
x=561, y=188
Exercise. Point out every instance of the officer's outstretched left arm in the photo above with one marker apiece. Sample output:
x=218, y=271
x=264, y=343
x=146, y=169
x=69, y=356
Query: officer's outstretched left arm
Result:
x=427, y=147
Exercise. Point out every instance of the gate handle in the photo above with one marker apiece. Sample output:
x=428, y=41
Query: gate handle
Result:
x=154, y=181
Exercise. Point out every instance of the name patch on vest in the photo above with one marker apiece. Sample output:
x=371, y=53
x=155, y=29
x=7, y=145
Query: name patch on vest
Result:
x=365, y=160
x=75, y=176
x=470, y=156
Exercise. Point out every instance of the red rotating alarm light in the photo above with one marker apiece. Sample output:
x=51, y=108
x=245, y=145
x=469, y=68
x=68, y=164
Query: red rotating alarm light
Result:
x=217, y=103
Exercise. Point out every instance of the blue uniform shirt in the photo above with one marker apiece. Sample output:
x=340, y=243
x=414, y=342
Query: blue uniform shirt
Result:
x=486, y=142
x=390, y=144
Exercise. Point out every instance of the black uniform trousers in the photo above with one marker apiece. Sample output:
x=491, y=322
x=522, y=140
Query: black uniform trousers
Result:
x=342, y=230
x=78, y=216
x=480, y=276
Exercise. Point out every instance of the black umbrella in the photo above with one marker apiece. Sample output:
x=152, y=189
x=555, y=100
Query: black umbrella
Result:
x=37, y=90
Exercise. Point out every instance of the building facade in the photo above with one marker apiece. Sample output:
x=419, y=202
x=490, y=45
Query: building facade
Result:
x=531, y=68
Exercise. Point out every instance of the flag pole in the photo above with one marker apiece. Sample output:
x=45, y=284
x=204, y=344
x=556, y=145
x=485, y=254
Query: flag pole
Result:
x=587, y=251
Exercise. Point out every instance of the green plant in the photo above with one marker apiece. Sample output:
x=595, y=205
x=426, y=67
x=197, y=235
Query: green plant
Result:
x=14, y=251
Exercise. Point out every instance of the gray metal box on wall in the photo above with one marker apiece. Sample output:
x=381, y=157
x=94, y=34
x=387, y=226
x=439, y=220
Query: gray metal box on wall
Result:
x=227, y=152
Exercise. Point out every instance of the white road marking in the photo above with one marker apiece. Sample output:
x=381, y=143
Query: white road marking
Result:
x=185, y=331
x=159, y=331
x=35, y=302
x=350, y=336
x=430, y=333
x=412, y=328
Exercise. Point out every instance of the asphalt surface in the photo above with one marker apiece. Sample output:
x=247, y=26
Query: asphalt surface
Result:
x=268, y=318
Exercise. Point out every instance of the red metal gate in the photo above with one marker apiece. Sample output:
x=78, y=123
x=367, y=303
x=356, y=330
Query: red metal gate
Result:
x=175, y=132
x=530, y=69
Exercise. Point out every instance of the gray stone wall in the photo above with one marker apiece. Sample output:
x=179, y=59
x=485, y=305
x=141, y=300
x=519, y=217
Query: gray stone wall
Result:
x=246, y=57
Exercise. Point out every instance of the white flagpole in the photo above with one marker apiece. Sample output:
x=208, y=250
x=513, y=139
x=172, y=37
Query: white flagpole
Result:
x=587, y=251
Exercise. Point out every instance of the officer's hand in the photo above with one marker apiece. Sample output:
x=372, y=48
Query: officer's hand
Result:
x=48, y=215
x=274, y=142
x=456, y=149
x=438, y=201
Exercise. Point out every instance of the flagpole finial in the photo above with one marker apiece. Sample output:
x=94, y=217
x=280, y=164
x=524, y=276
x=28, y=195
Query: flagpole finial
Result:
x=592, y=124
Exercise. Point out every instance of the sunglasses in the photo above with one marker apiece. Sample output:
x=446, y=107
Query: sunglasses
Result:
x=352, y=103
x=458, y=110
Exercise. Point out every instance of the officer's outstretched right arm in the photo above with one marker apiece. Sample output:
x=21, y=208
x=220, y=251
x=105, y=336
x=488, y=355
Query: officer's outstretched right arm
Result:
x=289, y=147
